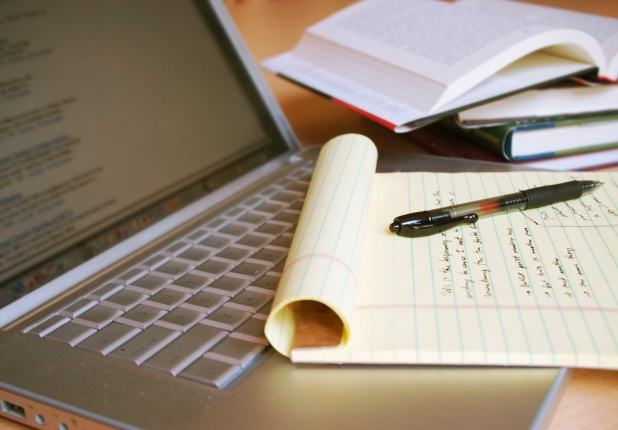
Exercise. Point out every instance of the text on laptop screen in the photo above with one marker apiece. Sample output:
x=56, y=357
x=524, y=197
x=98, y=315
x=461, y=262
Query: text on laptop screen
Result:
x=106, y=107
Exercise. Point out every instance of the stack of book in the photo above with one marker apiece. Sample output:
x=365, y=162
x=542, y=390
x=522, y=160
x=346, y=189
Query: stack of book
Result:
x=502, y=80
x=566, y=126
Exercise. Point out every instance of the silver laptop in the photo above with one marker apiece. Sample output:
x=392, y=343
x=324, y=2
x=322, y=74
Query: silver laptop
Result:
x=150, y=189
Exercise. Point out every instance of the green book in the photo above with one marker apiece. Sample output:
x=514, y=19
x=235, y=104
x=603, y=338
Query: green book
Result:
x=544, y=138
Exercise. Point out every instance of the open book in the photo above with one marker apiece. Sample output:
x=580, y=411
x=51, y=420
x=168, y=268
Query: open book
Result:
x=404, y=63
x=528, y=288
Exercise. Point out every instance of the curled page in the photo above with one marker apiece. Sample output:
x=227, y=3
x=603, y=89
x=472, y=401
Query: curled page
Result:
x=315, y=302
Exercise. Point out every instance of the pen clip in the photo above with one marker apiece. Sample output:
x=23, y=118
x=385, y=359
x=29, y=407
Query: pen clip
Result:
x=422, y=230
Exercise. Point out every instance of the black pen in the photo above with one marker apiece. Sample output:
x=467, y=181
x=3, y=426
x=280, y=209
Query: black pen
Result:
x=425, y=223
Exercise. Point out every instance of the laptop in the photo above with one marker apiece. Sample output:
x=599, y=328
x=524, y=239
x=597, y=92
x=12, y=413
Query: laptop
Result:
x=149, y=194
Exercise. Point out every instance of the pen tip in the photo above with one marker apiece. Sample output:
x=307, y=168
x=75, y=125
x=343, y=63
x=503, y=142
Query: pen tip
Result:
x=394, y=228
x=589, y=186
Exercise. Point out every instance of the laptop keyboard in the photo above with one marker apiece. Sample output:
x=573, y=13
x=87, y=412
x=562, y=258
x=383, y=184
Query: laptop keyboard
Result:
x=196, y=309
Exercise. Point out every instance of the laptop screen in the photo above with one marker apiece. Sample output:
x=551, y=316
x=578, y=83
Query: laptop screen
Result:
x=112, y=115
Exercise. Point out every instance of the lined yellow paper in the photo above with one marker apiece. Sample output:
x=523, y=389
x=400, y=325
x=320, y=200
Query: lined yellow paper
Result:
x=537, y=287
x=325, y=257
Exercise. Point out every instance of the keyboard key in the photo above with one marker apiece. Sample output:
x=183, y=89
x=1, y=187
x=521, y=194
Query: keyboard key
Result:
x=235, y=230
x=278, y=269
x=251, y=330
x=194, y=256
x=97, y=317
x=298, y=206
x=269, y=191
x=300, y=186
x=149, y=284
x=216, y=242
x=108, y=338
x=215, y=224
x=251, y=270
x=252, y=201
x=254, y=218
x=235, y=254
x=176, y=249
x=235, y=212
x=190, y=283
x=180, y=319
x=226, y=318
x=266, y=284
x=130, y=276
x=145, y=344
x=213, y=268
x=186, y=349
x=271, y=208
x=48, y=325
x=71, y=333
x=173, y=269
x=154, y=262
x=167, y=299
x=269, y=255
x=197, y=235
x=205, y=302
x=228, y=285
x=274, y=227
x=211, y=372
x=256, y=240
x=264, y=312
x=287, y=216
x=237, y=352
x=283, y=242
x=287, y=197
x=306, y=175
x=124, y=300
x=249, y=301
x=105, y=291
x=77, y=308
x=141, y=316
x=285, y=182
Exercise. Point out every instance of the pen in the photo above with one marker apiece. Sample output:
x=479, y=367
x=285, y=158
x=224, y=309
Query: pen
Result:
x=425, y=223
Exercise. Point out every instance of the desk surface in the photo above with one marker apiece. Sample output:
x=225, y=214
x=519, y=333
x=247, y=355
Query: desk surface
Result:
x=273, y=26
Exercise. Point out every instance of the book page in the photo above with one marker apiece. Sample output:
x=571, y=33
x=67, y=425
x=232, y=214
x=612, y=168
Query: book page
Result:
x=526, y=288
x=604, y=29
x=447, y=49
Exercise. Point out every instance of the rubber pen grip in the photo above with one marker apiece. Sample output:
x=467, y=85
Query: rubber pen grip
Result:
x=550, y=194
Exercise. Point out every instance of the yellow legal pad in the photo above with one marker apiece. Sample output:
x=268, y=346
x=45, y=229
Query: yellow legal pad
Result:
x=530, y=288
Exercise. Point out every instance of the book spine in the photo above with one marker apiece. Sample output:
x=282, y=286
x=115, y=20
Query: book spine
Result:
x=490, y=139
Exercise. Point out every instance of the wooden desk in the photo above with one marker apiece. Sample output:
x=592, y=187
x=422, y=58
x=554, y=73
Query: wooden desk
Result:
x=271, y=27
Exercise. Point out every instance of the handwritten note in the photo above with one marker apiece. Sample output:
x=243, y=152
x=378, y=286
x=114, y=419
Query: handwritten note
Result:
x=527, y=288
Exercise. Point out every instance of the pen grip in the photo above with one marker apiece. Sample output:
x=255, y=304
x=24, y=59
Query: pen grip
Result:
x=550, y=194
